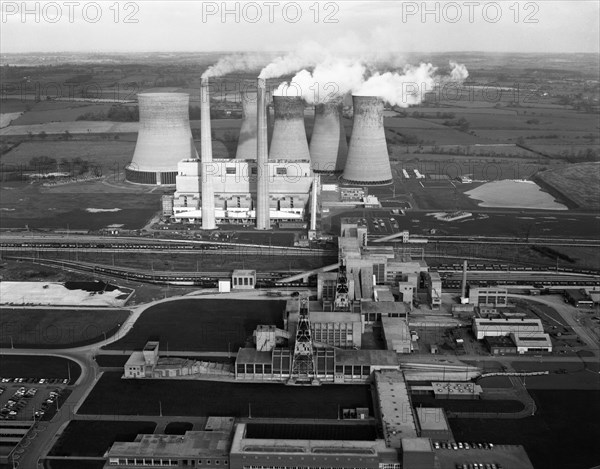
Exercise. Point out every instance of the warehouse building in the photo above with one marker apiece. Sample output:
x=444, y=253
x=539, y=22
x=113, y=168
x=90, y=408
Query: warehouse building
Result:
x=209, y=448
x=483, y=327
x=531, y=343
x=493, y=296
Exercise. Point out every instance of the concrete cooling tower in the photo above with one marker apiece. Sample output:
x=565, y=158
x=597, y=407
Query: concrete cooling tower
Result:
x=164, y=138
x=328, y=146
x=368, y=161
x=289, y=135
x=246, y=149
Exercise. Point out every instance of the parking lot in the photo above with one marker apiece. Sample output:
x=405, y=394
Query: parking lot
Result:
x=31, y=399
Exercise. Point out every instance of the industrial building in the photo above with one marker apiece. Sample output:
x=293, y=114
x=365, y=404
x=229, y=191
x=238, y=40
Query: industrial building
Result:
x=483, y=327
x=164, y=138
x=432, y=423
x=531, y=342
x=492, y=296
x=260, y=453
x=207, y=448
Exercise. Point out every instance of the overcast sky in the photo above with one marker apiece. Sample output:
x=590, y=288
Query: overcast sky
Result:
x=504, y=26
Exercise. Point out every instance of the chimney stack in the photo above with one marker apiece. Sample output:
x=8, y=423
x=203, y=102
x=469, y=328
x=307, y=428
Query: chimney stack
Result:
x=247, y=145
x=208, y=196
x=328, y=146
x=289, y=135
x=368, y=161
x=163, y=139
x=463, y=291
x=263, y=217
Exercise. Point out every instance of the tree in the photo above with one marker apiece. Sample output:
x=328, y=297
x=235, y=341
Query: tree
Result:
x=67, y=135
x=42, y=134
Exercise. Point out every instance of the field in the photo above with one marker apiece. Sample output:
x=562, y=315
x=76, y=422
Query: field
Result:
x=29, y=366
x=510, y=194
x=564, y=432
x=115, y=396
x=201, y=325
x=94, y=438
x=579, y=182
x=57, y=328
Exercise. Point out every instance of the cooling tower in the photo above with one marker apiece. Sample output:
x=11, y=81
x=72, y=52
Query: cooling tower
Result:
x=263, y=217
x=208, y=195
x=164, y=138
x=328, y=146
x=289, y=135
x=247, y=145
x=368, y=161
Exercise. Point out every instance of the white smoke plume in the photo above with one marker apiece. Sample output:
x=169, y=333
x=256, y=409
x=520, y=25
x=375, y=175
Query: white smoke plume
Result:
x=459, y=72
x=397, y=89
x=329, y=81
x=306, y=55
x=235, y=63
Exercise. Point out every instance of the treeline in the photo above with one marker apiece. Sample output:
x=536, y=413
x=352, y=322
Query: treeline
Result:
x=552, y=253
x=116, y=113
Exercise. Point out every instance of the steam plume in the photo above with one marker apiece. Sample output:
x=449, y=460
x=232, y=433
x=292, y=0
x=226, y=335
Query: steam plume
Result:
x=328, y=81
x=459, y=72
x=235, y=63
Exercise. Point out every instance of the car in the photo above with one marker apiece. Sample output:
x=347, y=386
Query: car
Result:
x=436, y=445
x=42, y=381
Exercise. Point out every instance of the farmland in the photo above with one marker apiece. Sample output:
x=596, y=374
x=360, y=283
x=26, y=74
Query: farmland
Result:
x=577, y=182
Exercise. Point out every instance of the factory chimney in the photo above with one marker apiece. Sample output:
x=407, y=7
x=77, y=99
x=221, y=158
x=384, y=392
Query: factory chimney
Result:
x=263, y=218
x=313, y=200
x=368, y=161
x=163, y=140
x=247, y=146
x=328, y=146
x=463, y=291
x=289, y=135
x=208, y=196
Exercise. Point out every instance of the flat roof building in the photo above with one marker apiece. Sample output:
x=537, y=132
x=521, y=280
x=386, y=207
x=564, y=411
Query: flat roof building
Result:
x=395, y=408
x=483, y=327
x=432, y=423
x=262, y=453
x=396, y=334
x=208, y=448
x=532, y=343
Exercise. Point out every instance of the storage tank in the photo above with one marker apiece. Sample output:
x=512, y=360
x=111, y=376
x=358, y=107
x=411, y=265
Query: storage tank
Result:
x=164, y=138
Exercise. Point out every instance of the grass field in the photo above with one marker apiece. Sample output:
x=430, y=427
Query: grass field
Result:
x=578, y=182
x=94, y=438
x=63, y=111
x=113, y=395
x=564, y=432
x=201, y=325
x=57, y=328
x=29, y=366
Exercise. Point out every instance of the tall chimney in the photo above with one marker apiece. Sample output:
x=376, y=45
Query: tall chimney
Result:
x=163, y=140
x=313, y=207
x=463, y=290
x=328, y=146
x=289, y=135
x=208, y=195
x=368, y=161
x=263, y=217
x=247, y=146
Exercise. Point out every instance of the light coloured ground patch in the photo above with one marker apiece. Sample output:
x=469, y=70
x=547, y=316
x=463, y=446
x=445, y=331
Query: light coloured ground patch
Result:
x=8, y=117
x=52, y=293
x=514, y=194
